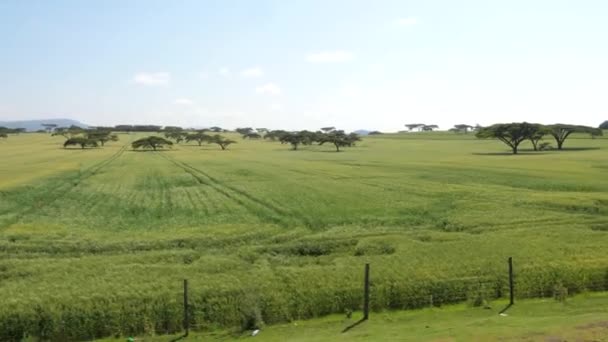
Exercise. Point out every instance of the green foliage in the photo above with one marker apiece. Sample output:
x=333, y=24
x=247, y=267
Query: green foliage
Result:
x=221, y=141
x=464, y=128
x=199, y=137
x=177, y=135
x=151, y=142
x=339, y=139
x=80, y=141
x=561, y=132
x=604, y=125
x=511, y=134
x=101, y=136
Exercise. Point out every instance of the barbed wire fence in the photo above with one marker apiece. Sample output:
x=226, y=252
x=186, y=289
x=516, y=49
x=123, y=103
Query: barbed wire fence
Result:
x=478, y=291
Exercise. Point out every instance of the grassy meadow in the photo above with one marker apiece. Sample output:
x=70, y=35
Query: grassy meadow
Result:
x=96, y=242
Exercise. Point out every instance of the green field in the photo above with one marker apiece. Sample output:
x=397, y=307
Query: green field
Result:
x=96, y=242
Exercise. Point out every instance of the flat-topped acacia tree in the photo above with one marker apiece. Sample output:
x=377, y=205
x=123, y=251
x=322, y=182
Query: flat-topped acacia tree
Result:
x=102, y=136
x=199, y=137
x=339, y=139
x=512, y=134
x=561, y=132
x=151, y=142
x=220, y=141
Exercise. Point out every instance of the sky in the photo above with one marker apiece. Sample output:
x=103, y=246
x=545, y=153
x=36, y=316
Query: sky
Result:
x=304, y=64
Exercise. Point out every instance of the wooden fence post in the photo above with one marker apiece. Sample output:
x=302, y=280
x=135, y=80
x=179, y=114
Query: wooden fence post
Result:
x=366, y=294
x=511, y=290
x=186, y=312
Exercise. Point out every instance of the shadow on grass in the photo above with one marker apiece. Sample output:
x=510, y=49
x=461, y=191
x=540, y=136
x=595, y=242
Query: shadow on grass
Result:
x=158, y=150
x=505, y=309
x=531, y=153
x=354, y=325
x=573, y=149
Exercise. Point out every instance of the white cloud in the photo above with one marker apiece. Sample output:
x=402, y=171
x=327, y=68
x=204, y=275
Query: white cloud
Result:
x=268, y=88
x=276, y=106
x=252, y=72
x=336, y=56
x=184, y=102
x=224, y=71
x=152, y=78
x=409, y=21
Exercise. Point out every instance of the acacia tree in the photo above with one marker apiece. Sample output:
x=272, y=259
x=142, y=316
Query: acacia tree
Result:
x=216, y=129
x=293, y=138
x=410, y=127
x=221, y=141
x=49, y=127
x=101, y=136
x=275, y=134
x=339, y=139
x=463, y=128
x=81, y=141
x=511, y=134
x=178, y=136
x=199, y=137
x=537, y=133
x=251, y=135
x=153, y=142
x=68, y=132
x=561, y=132
x=429, y=128
x=328, y=129
x=245, y=130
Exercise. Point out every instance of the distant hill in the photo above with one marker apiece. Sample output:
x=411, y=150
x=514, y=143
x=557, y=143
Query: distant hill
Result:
x=34, y=125
x=362, y=132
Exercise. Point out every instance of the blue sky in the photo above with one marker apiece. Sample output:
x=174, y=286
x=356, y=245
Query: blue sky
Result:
x=304, y=64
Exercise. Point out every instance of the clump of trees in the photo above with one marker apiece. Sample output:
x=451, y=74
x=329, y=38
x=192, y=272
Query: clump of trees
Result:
x=513, y=134
x=137, y=128
x=327, y=135
x=83, y=142
x=5, y=131
x=421, y=127
x=151, y=142
x=200, y=137
x=339, y=139
x=604, y=125
x=77, y=135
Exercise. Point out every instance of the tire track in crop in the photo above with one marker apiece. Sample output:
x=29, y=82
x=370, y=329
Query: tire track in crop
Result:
x=269, y=211
x=49, y=195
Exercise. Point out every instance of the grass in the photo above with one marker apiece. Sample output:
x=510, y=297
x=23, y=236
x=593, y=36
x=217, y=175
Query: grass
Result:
x=583, y=317
x=95, y=243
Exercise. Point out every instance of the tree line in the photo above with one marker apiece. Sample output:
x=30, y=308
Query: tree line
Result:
x=5, y=131
x=327, y=135
x=513, y=134
x=84, y=137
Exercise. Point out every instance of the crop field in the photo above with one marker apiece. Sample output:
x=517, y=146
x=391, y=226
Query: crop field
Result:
x=96, y=242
